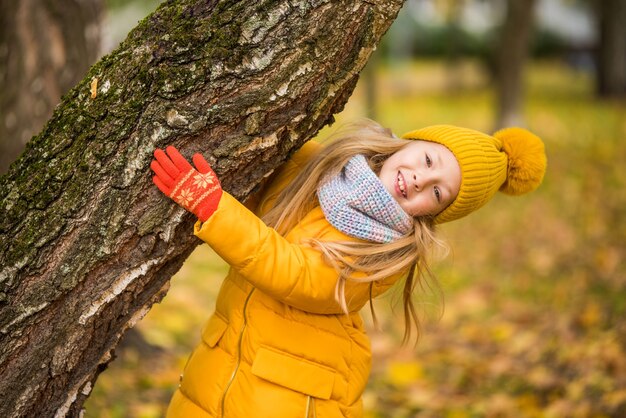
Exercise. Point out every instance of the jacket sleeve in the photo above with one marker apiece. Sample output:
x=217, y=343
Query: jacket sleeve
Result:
x=291, y=273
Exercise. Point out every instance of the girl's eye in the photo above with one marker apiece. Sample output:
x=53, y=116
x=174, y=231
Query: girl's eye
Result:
x=428, y=161
x=438, y=194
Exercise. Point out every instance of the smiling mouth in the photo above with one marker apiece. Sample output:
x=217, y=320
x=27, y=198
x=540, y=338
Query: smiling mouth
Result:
x=401, y=184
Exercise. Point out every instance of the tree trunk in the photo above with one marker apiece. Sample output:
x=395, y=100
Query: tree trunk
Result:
x=87, y=243
x=453, y=51
x=45, y=49
x=611, y=74
x=510, y=61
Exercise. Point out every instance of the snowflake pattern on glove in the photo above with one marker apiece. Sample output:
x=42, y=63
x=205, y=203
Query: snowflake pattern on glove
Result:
x=203, y=180
x=191, y=190
x=185, y=198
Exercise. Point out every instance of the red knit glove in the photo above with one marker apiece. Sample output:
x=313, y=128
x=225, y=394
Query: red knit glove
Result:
x=198, y=191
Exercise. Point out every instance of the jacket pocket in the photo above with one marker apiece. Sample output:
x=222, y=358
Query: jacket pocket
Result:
x=213, y=330
x=294, y=373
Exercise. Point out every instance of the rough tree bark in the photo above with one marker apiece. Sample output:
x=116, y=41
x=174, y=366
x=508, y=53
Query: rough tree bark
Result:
x=87, y=244
x=510, y=62
x=46, y=46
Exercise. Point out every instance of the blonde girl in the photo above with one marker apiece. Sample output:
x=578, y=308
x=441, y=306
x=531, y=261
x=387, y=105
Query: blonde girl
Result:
x=334, y=227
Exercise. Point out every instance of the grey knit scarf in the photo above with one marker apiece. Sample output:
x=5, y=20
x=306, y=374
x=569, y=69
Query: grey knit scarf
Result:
x=356, y=203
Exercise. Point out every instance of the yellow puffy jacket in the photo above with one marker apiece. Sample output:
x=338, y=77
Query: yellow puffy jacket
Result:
x=278, y=344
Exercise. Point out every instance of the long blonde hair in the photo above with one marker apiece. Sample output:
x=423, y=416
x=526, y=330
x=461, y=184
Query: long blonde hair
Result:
x=407, y=255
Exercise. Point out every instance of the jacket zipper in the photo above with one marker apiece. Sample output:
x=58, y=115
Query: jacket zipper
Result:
x=310, y=401
x=239, y=343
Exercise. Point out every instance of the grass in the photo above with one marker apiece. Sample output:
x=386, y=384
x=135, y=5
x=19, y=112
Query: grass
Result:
x=535, y=286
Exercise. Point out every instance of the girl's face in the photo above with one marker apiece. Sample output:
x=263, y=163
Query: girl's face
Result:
x=424, y=177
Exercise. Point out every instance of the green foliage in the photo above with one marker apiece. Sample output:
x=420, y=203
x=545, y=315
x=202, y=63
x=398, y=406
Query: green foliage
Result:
x=535, y=286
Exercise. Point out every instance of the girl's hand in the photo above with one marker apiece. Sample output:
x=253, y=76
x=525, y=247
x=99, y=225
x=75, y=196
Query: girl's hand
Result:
x=196, y=189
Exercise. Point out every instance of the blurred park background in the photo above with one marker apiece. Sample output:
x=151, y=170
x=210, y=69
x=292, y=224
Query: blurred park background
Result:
x=531, y=318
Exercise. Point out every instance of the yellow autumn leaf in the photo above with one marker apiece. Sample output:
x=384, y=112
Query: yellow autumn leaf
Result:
x=591, y=315
x=457, y=413
x=529, y=404
x=149, y=411
x=404, y=373
x=502, y=331
x=615, y=398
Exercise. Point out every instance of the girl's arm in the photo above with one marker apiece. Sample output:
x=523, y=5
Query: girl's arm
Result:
x=291, y=273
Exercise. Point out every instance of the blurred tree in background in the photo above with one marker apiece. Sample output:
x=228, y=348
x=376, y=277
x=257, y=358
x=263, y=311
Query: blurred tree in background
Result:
x=611, y=55
x=46, y=47
x=511, y=55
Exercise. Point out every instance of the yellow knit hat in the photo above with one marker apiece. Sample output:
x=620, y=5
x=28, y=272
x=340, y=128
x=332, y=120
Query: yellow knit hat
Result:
x=513, y=161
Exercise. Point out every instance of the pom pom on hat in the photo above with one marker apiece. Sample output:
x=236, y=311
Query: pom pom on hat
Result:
x=527, y=160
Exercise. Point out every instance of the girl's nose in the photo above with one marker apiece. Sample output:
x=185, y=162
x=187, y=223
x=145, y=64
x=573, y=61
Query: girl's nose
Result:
x=420, y=182
x=417, y=184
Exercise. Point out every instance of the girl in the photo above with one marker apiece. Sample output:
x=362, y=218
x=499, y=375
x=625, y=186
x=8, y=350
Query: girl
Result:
x=332, y=229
